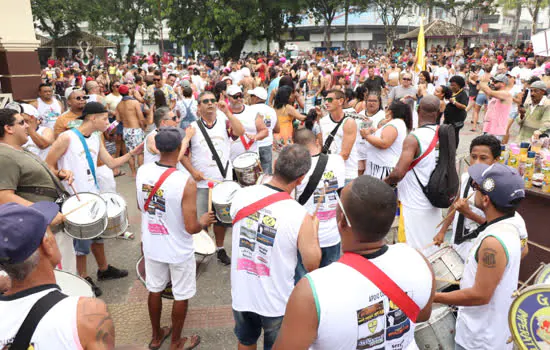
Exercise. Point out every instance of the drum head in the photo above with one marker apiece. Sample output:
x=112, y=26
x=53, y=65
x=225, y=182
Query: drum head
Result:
x=224, y=192
x=245, y=160
x=544, y=275
x=140, y=270
x=95, y=204
x=204, y=245
x=529, y=318
x=115, y=204
x=73, y=285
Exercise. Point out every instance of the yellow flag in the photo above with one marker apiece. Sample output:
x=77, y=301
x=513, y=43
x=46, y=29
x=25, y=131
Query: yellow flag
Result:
x=420, y=50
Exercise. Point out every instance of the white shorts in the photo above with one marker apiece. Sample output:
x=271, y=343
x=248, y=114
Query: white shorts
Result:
x=182, y=276
x=105, y=179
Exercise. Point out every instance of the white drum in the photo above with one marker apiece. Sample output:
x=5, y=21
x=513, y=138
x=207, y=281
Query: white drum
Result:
x=73, y=285
x=439, y=331
x=222, y=196
x=117, y=214
x=447, y=266
x=247, y=167
x=204, y=245
x=85, y=218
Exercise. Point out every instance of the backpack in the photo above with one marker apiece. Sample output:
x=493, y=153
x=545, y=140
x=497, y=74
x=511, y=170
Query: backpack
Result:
x=442, y=187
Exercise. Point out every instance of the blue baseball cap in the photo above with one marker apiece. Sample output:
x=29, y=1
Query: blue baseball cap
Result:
x=22, y=229
x=501, y=183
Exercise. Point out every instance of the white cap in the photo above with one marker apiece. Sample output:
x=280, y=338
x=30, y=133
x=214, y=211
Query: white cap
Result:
x=30, y=110
x=259, y=92
x=233, y=90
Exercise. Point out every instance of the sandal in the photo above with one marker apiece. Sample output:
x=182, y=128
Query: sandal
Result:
x=166, y=331
x=129, y=236
x=122, y=173
x=195, y=341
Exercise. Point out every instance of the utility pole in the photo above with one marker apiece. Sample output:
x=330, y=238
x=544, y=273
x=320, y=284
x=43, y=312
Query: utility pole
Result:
x=160, y=31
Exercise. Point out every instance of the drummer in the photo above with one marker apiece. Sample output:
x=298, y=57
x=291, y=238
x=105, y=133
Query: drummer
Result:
x=254, y=126
x=167, y=225
x=68, y=152
x=484, y=149
x=491, y=272
x=221, y=127
x=337, y=307
x=26, y=179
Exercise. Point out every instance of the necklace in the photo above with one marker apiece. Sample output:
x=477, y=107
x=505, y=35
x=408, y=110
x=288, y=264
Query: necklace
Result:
x=458, y=92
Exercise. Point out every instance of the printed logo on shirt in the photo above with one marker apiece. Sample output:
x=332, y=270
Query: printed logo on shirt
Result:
x=156, y=212
x=370, y=326
x=397, y=323
x=327, y=209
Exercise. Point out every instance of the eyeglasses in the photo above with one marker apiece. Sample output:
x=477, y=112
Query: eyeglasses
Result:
x=80, y=98
x=116, y=86
x=174, y=118
x=208, y=100
x=237, y=96
x=338, y=193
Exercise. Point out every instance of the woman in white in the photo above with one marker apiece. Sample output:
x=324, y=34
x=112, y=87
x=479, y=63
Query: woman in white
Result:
x=384, y=144
x=374, y=114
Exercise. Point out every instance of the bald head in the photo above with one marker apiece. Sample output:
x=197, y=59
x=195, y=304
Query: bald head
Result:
x=428, y=108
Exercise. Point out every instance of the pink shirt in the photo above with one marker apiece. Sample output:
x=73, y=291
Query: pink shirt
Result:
x=496, y=118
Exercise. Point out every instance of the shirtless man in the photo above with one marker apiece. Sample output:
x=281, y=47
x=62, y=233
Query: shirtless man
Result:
x=130, y=114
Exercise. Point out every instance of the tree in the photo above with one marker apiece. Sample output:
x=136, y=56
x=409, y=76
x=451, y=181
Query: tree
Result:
x=534, y=7
x=324, y=10
x=390, y=13
x=56, y=17
x=461, y=9
x=508, y=5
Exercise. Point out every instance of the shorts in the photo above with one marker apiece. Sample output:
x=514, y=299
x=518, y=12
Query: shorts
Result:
x=249, y=325
x=82, y=246
x=481, y=100
x=182, y=276
x=66, y=248
x=202, y=206
x=133, y=137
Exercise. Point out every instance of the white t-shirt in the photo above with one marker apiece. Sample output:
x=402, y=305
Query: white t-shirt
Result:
x=163, y=229
x=521, y=74
x=112, y=101
x=265, y=252
x=270, y=119
x=352, y=163
x=442, y=75
x=334, y=177
x=388, y=157
x=74, y=159
x=353, y=313
x=248, y=119
x=48, y=112
x=149, y=157
x=32, y=147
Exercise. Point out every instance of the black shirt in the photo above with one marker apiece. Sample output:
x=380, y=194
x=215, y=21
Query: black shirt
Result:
x=374, y=84
x=453, y=114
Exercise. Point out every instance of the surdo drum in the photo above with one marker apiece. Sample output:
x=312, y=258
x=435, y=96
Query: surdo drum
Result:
x=447, y=266
x=247, y=167
x=72, y=285
x=222, y=196
x=439, y=331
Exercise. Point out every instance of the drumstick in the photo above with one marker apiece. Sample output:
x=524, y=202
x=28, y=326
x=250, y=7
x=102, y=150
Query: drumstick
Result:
x=212, y=180
x=260, y=165
x=77, y=208
x=452, y=211
x=428, y=245
x=75, y=193
x=447, y=281
x=539, y=246
x=210, y=187
x=320, y=200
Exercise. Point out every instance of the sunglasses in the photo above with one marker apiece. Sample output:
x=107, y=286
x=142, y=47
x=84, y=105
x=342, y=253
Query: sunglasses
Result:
x=338, y=195
x=408, y=79
x=116, y=86
x=208, y=100
x=236, y=96
x=174, y=118
x=80, y=98
x=156, y=79
x=330, y=99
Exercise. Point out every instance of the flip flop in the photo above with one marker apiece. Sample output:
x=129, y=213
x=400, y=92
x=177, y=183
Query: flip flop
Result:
x=195, y=344
x=129, y=236
x=122, y=173
x=166, y=335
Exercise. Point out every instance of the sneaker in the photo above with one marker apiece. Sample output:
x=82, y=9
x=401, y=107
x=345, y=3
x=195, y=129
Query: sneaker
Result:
x=111, y=273
x=223, y=257
x=97, y=291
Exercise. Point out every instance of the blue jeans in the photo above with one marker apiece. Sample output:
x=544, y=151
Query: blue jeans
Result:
x=248, y=328
x=266, y=158
x=459, y=347
x=82, y=246
x=328, y=256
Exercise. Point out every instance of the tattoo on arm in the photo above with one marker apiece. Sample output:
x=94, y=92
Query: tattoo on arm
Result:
x=488, y=258
x=105, y=332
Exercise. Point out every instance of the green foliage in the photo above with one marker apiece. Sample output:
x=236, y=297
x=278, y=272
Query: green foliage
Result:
x=55, y=17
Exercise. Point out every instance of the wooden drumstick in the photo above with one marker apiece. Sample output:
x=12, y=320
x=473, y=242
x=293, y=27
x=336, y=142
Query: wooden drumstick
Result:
x=320, y=200
x=540, y=246
x=77, y=208
x=212, y=180
x=447, y=281
x=74, y=191
x=452, y=211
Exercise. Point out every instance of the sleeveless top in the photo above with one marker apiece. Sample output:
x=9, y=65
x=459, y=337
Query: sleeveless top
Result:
x=409, y=191
x=75, y=160
x=48, y=112
x=486, y=326
x=286, y=129
x=388, y=157
x=57, y=330
x=496, y=117
x=353, y=313
x=149, y=157
x=163, y=229
x=352, y=163
x=247, y=117
x=32, y=147
x=265, y=252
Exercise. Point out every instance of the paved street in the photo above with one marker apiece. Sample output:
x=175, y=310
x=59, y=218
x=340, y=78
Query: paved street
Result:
x=210, y=310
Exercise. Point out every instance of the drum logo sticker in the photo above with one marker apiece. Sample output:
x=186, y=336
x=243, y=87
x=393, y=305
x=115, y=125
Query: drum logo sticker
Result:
x=370, y=326
x=529, y=318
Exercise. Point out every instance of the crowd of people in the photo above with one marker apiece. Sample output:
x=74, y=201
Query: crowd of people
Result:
x=340, y=139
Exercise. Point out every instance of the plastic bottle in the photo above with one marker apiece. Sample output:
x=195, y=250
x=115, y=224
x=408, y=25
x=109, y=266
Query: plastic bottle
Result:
x=504, y=155
x=529, y=169
x=546, y=172
x=524, y=147
x=514, y=158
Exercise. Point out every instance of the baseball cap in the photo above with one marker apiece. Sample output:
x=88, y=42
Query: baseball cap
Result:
x=168, y=138
x=501, y=183
x=233, y=90
x=501, y=78
x=22, y=229
x=523, y=59
x=539, y=84
x=123, y=89
x=30, y=110
x=259, y=92
x=93, y=108
x=185, y=82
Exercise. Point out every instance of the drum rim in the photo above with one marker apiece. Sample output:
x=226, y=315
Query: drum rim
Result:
x=429, y=322
x=163, y=295
x=248, y=166
x=528, y=291
x=121, y=231
x=104, y=217
x=125, y=209
x=73, y=275
x=221, y=183
x=105, y=223
x=546, y=272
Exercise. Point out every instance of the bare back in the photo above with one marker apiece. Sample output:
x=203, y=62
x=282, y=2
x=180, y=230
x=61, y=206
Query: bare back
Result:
x=130, y=114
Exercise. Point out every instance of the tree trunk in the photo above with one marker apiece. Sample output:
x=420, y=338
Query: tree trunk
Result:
x=131, y=45
x=328, y=42
x=236, y=47
x=515, y=29
x=389, y=38
x=346, y=7
x=535, y=17
x=430, y=12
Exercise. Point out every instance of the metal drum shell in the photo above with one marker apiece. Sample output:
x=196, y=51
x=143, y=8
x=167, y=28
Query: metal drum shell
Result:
x=439, y=331
x=248, y=175
x=447, y=265
x=116, y=225
x=85, y=231
x=222, y=209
